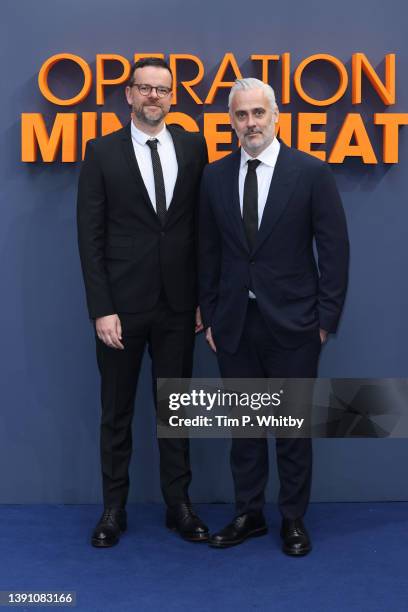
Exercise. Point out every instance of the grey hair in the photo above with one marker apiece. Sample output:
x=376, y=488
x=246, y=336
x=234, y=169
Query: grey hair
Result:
x=250, y=83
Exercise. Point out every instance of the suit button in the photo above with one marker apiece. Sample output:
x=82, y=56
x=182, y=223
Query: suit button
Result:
x=162, y=233
x=252, y=262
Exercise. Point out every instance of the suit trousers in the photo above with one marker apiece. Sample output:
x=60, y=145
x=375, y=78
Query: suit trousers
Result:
x=260, y=356
x=169, y=337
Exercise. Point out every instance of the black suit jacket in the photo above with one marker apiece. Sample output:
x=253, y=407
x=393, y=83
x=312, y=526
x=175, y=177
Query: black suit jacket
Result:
x=295, y=295
x=127, y=257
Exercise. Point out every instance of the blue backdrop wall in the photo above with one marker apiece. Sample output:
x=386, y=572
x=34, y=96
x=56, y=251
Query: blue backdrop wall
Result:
x=48, y=378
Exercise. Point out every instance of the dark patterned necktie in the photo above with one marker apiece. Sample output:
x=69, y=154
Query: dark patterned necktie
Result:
x=159, y=189
x=250, y=202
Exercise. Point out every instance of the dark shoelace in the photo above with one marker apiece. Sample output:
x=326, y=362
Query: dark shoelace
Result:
x=109, y=516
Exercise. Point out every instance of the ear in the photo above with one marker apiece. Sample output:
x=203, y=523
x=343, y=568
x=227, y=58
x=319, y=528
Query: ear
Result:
x=127, y=94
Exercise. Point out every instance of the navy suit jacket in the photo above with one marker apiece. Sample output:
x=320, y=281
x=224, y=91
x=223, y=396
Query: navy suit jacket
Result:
x=295, y=293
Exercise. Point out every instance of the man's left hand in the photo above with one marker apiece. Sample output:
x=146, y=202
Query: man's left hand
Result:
x=323, y=335
x=198, y=321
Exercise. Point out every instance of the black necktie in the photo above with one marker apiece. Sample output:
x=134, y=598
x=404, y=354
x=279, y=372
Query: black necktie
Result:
x=158, y=180
x=250, y=202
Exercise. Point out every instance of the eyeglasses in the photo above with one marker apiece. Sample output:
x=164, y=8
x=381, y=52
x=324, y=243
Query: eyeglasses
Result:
x=146, y=90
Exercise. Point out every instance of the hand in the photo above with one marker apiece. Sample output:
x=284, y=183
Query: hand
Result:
x=323, y=335
x=198, y=321
x=109, y=330
x=209, y=338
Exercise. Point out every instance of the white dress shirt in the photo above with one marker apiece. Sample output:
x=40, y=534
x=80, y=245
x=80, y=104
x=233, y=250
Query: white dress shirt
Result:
x=168, y=160
x=264, y=174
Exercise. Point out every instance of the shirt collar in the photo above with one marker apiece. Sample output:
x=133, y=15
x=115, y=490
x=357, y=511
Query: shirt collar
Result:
x=267, y=157
x=140, y=137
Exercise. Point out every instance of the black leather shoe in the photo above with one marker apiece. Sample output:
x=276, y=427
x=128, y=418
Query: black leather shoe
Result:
x=182, y=518
x=242, y=527
x=111, y=524
x=296, y=541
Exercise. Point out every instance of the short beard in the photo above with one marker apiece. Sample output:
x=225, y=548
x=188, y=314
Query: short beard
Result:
x=254, y=150
x=140, y=114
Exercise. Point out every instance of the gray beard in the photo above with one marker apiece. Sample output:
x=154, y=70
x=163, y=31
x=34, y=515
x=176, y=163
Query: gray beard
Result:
x=256, y=150
x=139, y=114
x=253, y=150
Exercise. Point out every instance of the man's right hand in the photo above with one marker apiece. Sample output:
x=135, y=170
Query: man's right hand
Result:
x=209, y=338
x=109, y=330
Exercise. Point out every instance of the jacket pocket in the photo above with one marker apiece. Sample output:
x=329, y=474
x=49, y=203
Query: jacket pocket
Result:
x=119, y=241
x=298, y=293
x=119, y=252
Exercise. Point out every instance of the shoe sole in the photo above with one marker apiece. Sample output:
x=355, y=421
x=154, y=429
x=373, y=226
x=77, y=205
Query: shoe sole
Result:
x=101, y=543
x=256, y=533
x=196, y=539
x=300, y=553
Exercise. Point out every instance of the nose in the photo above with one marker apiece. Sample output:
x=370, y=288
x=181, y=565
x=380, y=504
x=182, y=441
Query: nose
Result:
x=153, y=93
x=251, y=121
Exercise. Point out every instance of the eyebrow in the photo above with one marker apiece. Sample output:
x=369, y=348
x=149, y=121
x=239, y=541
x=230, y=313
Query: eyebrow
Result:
x=253, y=110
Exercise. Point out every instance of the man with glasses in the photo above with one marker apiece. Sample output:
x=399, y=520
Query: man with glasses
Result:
x=137, y=197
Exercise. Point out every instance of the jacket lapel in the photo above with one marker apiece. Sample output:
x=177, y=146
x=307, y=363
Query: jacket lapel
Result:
x=231, y=198
x=282, y=185
x=181, y=163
